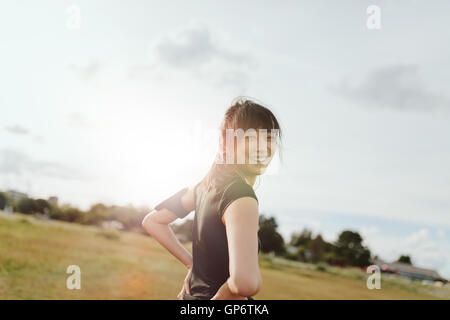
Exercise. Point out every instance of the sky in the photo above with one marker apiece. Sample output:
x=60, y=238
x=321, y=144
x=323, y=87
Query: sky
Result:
x=120, y=102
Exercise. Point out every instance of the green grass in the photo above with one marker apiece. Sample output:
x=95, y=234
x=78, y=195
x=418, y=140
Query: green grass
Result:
x=35, y=254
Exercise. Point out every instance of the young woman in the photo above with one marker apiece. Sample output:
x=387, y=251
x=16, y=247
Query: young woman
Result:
x=224, y=261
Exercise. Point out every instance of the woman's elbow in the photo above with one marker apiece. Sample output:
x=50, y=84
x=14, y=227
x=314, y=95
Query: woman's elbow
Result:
x=147, y=222
x=247, y=286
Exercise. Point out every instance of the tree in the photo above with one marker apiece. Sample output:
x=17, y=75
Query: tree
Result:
x=301, y=239
x=96, y=214
x=405, y=259
x=3, y=199
x=72, y=214
x=27, y=206
x=43, y=206
x=317, y=248
x=350, y=250
x=271, y=240
x=67, y=213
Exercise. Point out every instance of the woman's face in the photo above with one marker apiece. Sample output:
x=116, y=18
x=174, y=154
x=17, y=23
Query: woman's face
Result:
x=259, y=149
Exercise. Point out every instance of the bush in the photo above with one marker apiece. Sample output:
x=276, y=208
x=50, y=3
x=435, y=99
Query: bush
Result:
x=322, y=267
x=110, y=235
x=43, y=206
x=67, y=213
x=271, y=240
x=27, y=206
x=350, y=249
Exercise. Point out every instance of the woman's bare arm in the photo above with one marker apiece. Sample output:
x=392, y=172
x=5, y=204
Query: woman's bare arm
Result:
x=156, y=223
x=241, y=222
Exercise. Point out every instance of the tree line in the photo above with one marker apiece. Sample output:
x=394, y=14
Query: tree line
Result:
x=347, y=250
x=129, y=217
x=303, y=246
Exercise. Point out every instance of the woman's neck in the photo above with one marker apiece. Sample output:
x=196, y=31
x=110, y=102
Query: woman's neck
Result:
x=249, y=178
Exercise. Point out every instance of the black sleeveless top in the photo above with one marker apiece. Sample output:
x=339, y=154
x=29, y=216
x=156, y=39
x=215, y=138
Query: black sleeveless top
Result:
x=209, y=245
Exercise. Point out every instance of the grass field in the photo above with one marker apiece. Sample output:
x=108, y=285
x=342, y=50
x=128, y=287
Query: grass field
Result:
x=34, y=255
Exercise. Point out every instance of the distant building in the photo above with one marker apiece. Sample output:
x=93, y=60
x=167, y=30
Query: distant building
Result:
x=16, y=195
x=409, y=271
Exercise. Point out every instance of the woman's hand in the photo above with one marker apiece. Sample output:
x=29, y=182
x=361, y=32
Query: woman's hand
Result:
x=186, y=285
x=224, y=293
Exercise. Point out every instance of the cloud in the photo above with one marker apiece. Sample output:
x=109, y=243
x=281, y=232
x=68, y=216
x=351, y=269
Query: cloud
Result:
x=17, y=129
x=87, y=71
x=187, y=47
x=196, y=49
x=78, y=120
x=39, y=139
x=416, y=239
x=425, y=252
x=396, y=86
x=15, y=162
x=193, y=46
x=368, y=231
x=424, y=247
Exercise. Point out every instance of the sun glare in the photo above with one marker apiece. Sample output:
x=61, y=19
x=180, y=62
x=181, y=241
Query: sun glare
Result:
x=152, y=158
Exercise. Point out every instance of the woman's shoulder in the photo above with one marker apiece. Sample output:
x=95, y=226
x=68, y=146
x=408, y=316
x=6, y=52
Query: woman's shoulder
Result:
x=237, y=185
x=223, y=192
x=235, y=189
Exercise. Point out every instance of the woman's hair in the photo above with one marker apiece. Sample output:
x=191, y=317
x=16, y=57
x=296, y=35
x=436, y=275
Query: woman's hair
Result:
x=243, y=114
